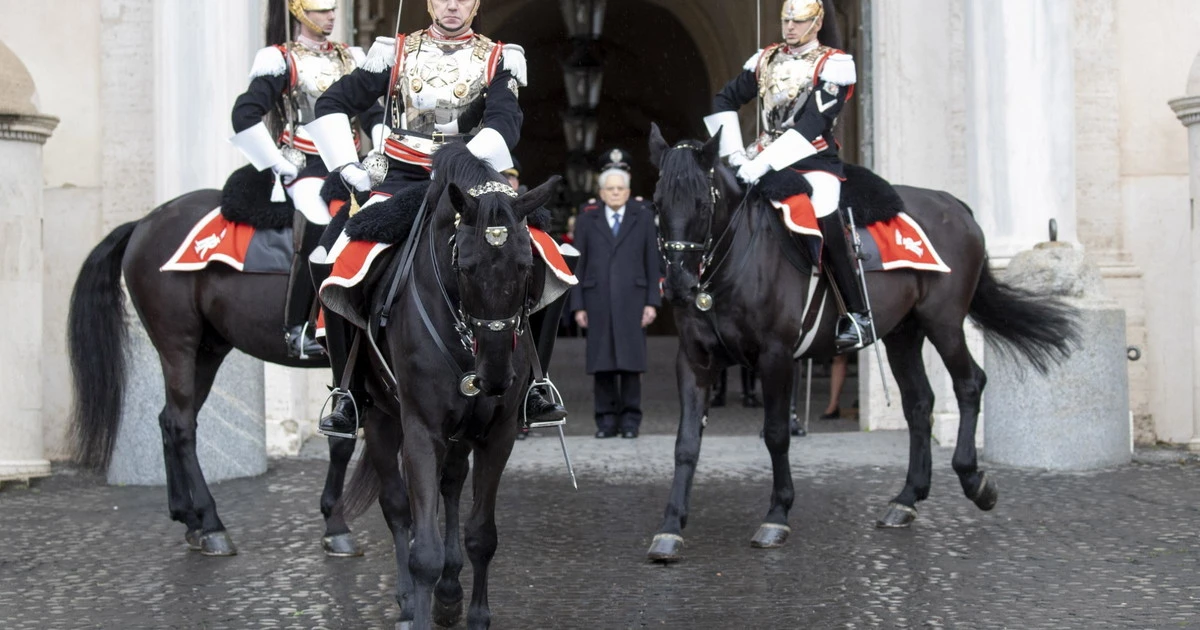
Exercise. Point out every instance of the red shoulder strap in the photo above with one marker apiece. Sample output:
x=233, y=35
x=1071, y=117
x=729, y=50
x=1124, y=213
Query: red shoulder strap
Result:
x=493, y=64
x=400, y=37
x=291, y=66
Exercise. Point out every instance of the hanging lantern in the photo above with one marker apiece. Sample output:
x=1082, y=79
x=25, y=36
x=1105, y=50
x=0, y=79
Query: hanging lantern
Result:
x=584, y=18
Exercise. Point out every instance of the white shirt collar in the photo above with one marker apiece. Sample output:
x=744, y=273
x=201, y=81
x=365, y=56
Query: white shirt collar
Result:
x=609, y=212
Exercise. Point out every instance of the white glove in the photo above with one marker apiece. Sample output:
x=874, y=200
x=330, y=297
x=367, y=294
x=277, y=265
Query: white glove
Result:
x=356, y=177
x=738, y=158
x=286, y=171
x=753, y=170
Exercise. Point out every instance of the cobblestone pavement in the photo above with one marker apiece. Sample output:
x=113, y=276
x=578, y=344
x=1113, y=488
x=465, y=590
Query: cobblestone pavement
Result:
x=1114, y=549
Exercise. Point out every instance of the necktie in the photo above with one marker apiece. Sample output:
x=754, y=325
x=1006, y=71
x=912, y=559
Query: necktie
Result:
x=616, y=223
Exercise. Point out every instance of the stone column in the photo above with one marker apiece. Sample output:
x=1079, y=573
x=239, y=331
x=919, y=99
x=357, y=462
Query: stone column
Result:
x=23, y=131
x=1021, y=121
x=171, y=73
x=1188, y=110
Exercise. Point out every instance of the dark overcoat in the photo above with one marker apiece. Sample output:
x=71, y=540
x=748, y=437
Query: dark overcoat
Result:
x=618, y=278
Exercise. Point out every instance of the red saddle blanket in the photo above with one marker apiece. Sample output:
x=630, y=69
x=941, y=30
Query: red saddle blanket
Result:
x=238, y=245
x=898, y=243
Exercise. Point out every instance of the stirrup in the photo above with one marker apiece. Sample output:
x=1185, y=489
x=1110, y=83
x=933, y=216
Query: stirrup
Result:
x=554, y=397
x=295, y=345
x=336, y=394
x=861, y=334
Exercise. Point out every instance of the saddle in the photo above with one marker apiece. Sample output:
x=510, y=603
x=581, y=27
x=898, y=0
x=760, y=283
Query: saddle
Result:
x=872, y=197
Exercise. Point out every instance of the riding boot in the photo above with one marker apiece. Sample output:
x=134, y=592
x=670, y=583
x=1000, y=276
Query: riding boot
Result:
x=540, y=404
x=854, y=327
x=718, y=397
x=342, y=421
x=749, y=398
x=301, y=292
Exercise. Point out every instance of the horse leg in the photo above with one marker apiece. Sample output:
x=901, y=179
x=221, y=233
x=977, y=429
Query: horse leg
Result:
x=337, y=542
x=481, y=537
x=667, y=545
x=777, y=385
x=382, y=443
x=916, y=398
x=422, y=457
x=448, y=594
x=188, y=376
x=969, y=381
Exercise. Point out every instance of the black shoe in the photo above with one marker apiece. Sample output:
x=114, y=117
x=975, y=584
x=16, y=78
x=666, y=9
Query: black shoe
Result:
x=341, y=422
x=601, y=435
x=538, y=408
x=302, y=346
x=629, y=435
x=751, y=400
x=853, y=332
x=832, y=415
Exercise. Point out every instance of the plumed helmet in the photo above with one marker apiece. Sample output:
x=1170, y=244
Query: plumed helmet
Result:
x=298, y=7
x=801, y=10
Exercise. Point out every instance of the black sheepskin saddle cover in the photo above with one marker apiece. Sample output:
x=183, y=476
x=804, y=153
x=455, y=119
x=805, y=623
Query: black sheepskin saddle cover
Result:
x=391, y=220
x=246, y=198
x=872, y=198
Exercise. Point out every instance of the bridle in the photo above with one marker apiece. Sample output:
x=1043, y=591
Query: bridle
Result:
x=466, y=324
x=706, y=270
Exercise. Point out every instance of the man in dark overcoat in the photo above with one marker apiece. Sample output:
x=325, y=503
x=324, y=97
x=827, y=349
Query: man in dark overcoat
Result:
x=617, y=297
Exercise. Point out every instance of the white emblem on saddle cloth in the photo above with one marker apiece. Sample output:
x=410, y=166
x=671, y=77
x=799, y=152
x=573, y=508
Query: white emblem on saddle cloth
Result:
x=911, y=244
x=208, y=243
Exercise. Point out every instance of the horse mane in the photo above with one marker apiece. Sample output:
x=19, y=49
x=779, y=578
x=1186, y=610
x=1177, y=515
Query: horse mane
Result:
x=454, y=163
x=681, y=173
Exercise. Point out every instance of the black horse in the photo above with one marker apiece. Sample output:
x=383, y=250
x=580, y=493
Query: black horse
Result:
x=460, y=355
x=758, y=306
x=193, y=319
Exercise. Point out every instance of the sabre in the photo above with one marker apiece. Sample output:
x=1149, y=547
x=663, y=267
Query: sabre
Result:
x=808, y=395
x=758, y=100
x=387, y=98
x=862, y=278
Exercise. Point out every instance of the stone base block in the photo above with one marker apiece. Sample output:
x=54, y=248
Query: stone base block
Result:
x=230, y=436
x=23, y=470
x=1076, y=417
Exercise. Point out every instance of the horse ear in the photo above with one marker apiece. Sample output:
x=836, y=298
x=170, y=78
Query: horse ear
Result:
x=466, y=205
x=658, y=146
x=709, y=155
x=527, y=203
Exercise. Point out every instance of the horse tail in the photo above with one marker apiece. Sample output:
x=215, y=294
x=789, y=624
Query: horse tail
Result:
x=1044, y=329
x=96, y=336
x=362, y=492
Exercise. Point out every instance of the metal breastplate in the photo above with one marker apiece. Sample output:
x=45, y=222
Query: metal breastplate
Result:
x=784, y=84
x=315, y=71
x=441, y=80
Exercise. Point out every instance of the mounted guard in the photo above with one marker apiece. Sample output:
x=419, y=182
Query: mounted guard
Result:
x=803, y=85
x=287, y=78
x=442, y=84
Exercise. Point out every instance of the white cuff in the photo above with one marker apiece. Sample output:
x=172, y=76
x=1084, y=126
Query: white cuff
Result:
x=731, y=136
x=450, y=128
x=787, y=149
x=334, y=139
x=258, y=146
x=489, y=146
x=379, y=133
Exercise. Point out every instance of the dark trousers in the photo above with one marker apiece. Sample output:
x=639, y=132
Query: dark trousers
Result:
x=618, y=401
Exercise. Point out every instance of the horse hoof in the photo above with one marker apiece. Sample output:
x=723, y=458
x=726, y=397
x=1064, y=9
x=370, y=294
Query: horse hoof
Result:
x=217, y=544
x=897, y=516
x=987, y=495
x=770, y=536
x=666, y=548
x=193, y=539
x=447, y=615
x=341, y=546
